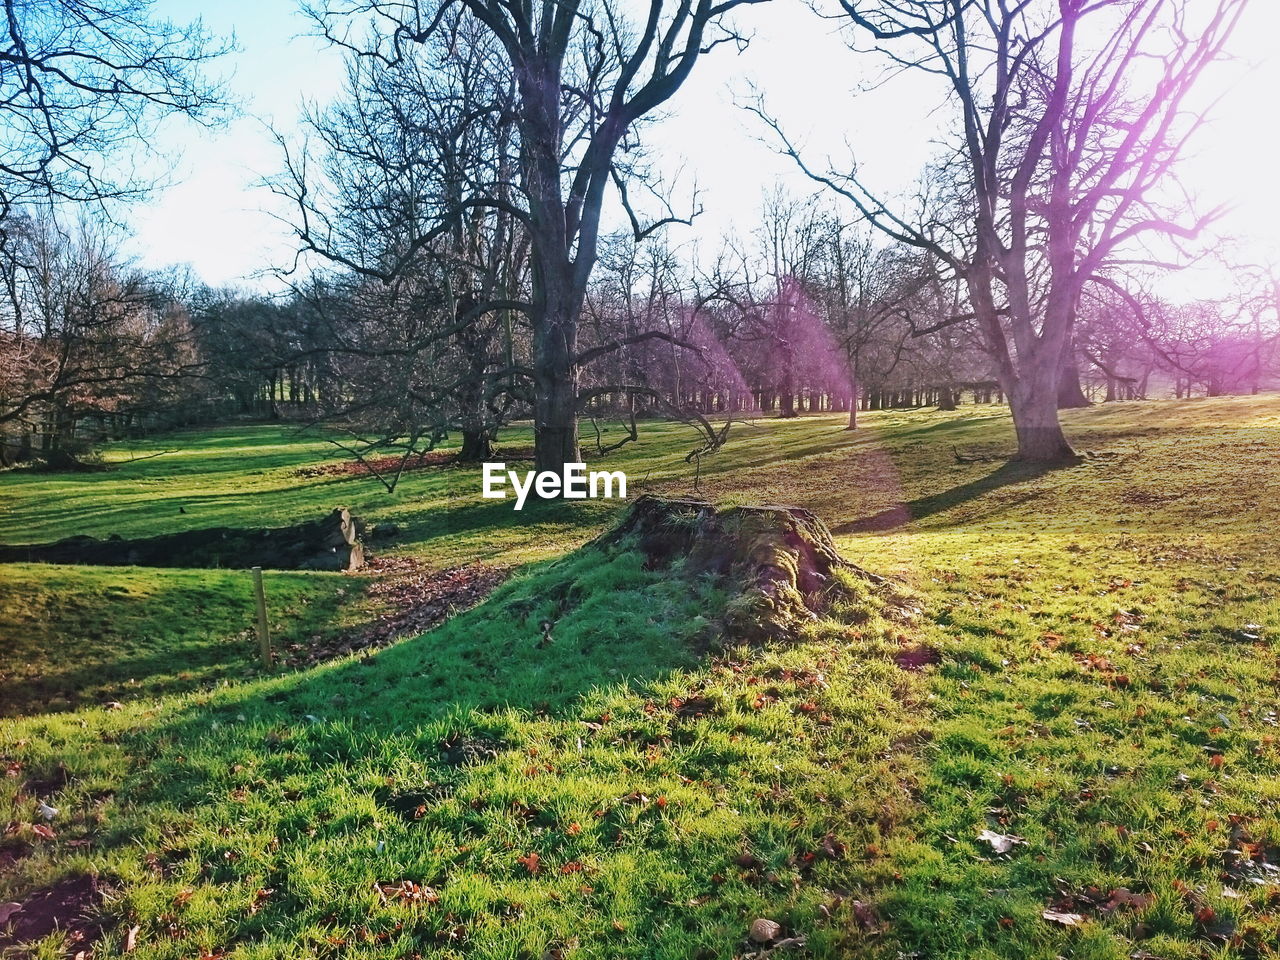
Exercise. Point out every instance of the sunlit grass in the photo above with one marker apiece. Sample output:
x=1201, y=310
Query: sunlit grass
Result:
x=1106, y=692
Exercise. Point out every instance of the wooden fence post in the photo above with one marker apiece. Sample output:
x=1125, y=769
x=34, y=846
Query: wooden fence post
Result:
x=264, y=637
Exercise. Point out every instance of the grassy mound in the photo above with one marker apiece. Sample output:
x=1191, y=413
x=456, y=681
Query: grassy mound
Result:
x=557, y=770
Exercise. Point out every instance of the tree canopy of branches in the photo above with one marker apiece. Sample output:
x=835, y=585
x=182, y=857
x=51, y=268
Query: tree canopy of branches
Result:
x=1068, y=118
x=82, y=81
x=97, y=339
x=82, y=85
x=410, y=205
x=585, y=78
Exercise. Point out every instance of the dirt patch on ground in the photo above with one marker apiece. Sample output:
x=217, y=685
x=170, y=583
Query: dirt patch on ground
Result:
x=47, y=786
x=416, y=599
x=11, y=854
x=385, y=465
x=915, y=659
x=69, y=905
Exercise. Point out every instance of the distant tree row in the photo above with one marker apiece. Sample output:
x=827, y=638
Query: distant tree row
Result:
x=808, y=314
x=83, y=335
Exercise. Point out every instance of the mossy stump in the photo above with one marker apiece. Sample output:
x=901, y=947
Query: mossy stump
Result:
x=778, y=562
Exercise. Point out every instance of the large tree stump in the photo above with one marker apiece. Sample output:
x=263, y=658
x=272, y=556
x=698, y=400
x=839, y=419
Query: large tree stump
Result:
x=779, y=560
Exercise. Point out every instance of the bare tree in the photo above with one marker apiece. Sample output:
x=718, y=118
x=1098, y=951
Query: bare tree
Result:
x=1069, y=118
x=586, y=77
x=83, y=80
x=98, y=339
x=411, y=203
x=82, y=86
x=867, y=292
x=1259, y=313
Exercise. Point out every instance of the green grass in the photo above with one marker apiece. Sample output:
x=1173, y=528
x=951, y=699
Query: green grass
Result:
x=1107, y=692
x=319, y=785
x=76, y=636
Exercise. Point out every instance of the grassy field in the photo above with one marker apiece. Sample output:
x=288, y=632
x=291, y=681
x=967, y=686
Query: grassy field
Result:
x=1104, y=703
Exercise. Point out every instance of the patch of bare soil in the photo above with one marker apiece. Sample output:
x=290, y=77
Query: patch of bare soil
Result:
x=11, y=854
x=67, y=905
x=384, y=465
x=415, y=598
x=915, y=659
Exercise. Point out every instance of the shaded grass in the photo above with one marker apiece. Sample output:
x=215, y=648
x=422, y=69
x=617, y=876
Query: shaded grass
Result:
x=77, y=635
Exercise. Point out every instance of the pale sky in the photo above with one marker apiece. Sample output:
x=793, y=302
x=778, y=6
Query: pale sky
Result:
x=217, y=219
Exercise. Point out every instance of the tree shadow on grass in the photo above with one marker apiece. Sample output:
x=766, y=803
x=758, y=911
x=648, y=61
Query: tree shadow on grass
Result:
x=900, y=514
x=536, y=646
x=85, y=635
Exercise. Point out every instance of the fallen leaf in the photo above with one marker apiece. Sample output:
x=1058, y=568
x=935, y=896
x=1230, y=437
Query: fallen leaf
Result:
x=865, y=915
x=1121, y=897
x=999, y=842
x=763, y=930
x=530, y=862
x=1065, y=919
x=832, y=848
x=406, y=890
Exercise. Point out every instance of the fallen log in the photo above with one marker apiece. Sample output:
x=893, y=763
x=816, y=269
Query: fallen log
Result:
x=329, y=544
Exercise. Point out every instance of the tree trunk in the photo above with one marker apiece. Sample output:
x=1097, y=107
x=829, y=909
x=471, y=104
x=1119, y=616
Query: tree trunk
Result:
x=477, y=446
x=555, y=417
x=1070, y=393
x=555, y=423
x=1034, y=404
